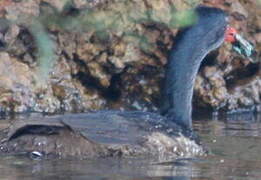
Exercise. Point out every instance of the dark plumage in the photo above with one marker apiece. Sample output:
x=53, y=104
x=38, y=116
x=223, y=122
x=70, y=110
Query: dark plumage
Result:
x=192, y=45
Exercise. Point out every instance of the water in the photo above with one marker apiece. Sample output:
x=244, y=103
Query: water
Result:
x=234, y=142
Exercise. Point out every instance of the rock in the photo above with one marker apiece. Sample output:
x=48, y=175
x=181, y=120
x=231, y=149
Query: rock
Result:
x=13, y=72
x=237, y=7
x=96, y=71
x=22, y=10
x=80, y=3
x=68, y=44
x=11, y=34
x=258, y=37
x=59, y=5
x=83, y=136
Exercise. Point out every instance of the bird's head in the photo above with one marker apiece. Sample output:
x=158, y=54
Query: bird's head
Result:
x=211, y=26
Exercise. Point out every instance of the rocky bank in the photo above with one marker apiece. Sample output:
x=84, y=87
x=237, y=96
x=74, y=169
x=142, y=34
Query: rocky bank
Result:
x=102, y=54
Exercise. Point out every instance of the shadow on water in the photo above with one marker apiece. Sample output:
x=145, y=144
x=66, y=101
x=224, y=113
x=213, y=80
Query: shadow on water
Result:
x=234, y=142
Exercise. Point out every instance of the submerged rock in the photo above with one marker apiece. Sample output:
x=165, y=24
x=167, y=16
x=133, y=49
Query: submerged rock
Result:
x=99, y=134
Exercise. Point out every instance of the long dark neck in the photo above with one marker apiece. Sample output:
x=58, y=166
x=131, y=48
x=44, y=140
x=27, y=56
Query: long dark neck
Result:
x=183, y=64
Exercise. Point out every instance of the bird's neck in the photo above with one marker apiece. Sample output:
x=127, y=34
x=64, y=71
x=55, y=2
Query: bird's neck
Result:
x=182, y=67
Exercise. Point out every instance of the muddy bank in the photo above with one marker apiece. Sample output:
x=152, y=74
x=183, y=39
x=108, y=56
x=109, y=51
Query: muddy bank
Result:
x=129, y=134
x=84, y=55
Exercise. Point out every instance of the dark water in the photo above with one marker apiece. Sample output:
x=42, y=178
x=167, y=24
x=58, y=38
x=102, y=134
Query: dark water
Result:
x=234, y=142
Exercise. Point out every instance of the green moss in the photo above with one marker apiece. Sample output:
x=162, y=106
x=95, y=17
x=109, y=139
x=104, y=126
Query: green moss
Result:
x=183, y=18
x=46, y=48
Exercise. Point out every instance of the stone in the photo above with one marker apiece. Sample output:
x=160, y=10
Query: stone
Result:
x=87, y=135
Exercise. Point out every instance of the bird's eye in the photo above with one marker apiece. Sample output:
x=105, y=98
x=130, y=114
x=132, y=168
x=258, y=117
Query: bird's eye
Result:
x=227, y=19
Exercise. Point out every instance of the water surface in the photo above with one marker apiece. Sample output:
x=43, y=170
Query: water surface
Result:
x=234, y=142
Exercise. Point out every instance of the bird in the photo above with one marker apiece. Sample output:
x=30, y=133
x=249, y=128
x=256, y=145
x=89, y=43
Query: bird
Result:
x=192, y=44
x=104, y=132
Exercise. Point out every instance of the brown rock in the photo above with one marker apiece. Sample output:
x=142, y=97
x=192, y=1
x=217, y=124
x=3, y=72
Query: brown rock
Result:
x=59, y=5
x=13, y=72
x=237, y=7
x=24, y=10
x=258, y=38
x=11, y=34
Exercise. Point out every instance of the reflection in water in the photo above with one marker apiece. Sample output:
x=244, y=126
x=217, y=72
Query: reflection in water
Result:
x=112, y=169
x=234, y=142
